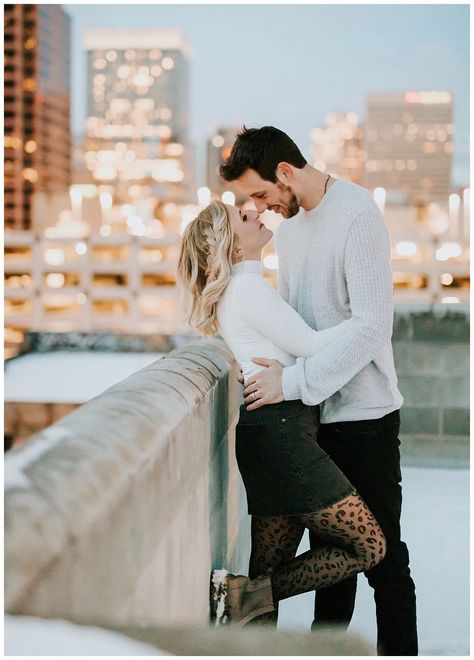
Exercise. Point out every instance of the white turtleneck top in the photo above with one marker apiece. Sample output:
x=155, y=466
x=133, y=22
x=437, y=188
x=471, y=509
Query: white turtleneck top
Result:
x=255, y=321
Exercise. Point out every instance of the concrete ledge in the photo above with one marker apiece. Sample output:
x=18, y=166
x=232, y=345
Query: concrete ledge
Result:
x=50, y=637
x=253, y=641
x=439, y=324
x=108, y=512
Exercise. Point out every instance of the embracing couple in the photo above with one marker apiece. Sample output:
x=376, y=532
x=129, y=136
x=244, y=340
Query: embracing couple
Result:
x=317, y=439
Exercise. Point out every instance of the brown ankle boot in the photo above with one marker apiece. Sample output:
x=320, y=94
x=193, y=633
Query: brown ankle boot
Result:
x=237, y=599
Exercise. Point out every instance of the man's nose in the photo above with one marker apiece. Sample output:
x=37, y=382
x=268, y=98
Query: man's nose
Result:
x=260, y=205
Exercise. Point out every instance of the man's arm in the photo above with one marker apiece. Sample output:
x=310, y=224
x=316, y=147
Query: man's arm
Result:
x=368, y=273
x=354, y=342
x=282, y=283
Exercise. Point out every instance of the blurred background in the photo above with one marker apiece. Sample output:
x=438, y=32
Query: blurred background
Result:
x=118, y=116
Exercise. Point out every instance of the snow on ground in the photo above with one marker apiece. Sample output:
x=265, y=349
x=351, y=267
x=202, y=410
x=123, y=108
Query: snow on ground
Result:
x=69, y=377
x=435, y=526
x=31, y=636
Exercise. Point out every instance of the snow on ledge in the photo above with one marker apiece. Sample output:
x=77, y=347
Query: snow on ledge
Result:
x=17, y=461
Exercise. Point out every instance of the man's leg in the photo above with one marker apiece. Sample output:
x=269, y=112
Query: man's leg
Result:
x=368, y=454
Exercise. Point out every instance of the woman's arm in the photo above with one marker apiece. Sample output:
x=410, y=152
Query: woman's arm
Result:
x=260, y=306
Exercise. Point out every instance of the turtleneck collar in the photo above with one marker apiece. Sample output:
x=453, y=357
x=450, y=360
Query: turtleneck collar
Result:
x=247, y=266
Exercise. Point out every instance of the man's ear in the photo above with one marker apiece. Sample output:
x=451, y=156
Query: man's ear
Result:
x=284, y=173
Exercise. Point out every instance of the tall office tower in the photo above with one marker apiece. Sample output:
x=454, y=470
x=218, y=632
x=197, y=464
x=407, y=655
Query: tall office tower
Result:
x=37, y=107
x=337, y=148
x=137, y=119
x=218, y=150
x=409, y=143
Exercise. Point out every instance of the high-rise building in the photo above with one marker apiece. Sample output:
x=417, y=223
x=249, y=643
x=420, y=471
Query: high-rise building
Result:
x=409, y=143
x=37, y=153
x=136, y=138
x=218, y=150
x=337, y=148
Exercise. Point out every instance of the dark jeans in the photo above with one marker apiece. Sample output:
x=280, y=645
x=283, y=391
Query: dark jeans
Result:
x=368, y=454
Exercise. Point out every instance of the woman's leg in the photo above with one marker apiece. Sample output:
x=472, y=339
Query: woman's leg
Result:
x=351, y=542
x=275, y=540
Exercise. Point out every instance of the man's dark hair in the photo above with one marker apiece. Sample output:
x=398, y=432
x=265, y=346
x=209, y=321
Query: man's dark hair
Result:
x=261, y=149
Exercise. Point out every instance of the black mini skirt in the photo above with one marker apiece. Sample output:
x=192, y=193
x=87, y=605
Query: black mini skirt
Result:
x=284, y=470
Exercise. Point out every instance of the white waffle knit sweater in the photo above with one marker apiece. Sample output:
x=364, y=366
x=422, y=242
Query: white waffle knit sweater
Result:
x=335, y=270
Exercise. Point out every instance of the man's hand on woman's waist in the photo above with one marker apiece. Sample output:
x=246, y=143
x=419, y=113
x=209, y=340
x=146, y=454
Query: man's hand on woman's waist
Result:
x=264, y=387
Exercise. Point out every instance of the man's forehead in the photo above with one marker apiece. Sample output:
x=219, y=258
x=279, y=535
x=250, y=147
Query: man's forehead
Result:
x=252, y=182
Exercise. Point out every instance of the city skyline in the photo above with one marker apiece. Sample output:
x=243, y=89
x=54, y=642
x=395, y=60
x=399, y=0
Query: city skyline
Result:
x=232, y=84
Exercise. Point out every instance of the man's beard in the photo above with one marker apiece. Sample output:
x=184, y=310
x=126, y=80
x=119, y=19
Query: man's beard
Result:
x=292, y=206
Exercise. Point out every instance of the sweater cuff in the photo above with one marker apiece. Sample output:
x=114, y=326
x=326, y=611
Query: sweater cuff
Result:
x=289, y=383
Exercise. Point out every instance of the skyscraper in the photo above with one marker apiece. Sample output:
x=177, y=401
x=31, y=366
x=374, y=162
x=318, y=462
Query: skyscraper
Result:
x=337, y=148
x=37, y=107
x=138, y=112
x=409, y=143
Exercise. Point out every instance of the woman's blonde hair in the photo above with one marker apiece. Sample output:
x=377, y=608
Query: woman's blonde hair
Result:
x=205, y=265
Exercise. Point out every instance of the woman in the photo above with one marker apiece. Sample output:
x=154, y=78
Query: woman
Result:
x=291, y=483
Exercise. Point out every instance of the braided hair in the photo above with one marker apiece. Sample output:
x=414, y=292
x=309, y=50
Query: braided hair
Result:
x=205, y=266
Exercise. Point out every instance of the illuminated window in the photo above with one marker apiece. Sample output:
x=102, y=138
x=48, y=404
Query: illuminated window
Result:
x=29, y=174
x=174, y=149
x=142, y=80
x=55, y=280
x=167, y=63
x=30, y=146
x=164, y=131
x=30, y=43
x=54, y=256
x=29, y=85
x=123, y=71
x=12, y=142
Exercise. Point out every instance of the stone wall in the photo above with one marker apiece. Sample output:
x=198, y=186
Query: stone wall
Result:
x=431, y=350
x=117, y=512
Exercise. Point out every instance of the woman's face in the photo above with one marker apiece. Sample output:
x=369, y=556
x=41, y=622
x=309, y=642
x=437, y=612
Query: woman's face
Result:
x=252, y=233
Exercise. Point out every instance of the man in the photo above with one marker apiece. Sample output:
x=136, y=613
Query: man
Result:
x=334, y=269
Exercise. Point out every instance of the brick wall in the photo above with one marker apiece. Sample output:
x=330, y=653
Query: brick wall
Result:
x=431, y=350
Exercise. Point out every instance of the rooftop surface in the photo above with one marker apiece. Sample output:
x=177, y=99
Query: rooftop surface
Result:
x=435, y=526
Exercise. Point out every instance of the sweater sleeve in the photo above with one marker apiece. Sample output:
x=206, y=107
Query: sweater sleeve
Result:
x=368, y=275
x=261, y=307
x=282, y=285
